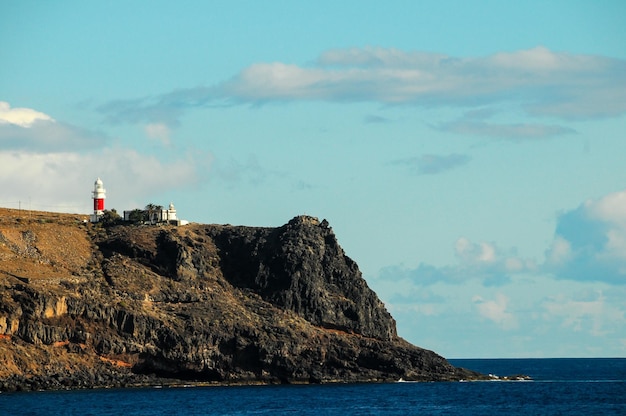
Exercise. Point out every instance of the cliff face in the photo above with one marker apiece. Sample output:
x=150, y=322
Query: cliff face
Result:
x=85, y=306
x=300, y=267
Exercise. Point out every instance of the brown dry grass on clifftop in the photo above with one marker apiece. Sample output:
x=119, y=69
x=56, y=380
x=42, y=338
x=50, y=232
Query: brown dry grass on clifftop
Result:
x=43, y=245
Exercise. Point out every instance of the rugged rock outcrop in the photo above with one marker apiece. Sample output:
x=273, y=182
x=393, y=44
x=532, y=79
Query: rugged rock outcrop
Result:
x=200, y=303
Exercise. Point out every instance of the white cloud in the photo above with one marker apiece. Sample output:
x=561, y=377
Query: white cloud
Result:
x=559, y=252
x=589, y=245
x=496, y=311
x=593, y=315
x=23, y=117
x=541, y=59
x=483, y=262
x=590, y=241
x=30, y=130
x=616, y=247
x=538, y=78
x=474, y=253
x=611, y=208
x=514, y=264
x=539, y=81
x=490, y=260
x=158, y=131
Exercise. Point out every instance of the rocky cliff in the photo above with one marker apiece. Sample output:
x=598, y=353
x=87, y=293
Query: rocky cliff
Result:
x=93, y=306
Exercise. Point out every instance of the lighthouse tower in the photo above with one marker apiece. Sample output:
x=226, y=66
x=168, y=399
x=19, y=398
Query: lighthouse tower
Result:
x=98, y=195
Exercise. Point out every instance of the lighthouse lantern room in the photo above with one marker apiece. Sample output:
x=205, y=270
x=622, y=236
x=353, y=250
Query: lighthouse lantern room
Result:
x=98, y=195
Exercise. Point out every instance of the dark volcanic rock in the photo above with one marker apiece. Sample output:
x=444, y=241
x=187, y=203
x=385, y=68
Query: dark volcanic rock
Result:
x=300, y=267
x=205, y=303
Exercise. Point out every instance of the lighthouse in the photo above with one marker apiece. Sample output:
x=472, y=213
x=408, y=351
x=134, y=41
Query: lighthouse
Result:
x=98, y=196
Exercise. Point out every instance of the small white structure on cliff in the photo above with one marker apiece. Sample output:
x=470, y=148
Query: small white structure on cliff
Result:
x=156, y=215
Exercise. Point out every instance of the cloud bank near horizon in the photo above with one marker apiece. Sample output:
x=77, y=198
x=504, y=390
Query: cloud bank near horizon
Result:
x=589, y=245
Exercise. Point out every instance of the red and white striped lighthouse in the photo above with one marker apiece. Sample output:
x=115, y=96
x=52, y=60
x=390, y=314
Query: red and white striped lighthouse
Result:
x=98, y=195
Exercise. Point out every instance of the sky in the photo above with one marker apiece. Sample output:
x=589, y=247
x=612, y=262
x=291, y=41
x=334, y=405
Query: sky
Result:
x=469, y=155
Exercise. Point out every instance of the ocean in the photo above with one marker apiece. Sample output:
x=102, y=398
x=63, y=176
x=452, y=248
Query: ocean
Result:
x=559, y=387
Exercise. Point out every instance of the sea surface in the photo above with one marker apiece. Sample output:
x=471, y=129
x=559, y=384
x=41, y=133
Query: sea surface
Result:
x=559, y=387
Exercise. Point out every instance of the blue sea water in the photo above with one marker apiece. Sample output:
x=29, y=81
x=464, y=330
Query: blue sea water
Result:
x=559, y=387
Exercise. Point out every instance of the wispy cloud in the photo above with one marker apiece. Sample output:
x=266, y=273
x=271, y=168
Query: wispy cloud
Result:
x=236, y=172
x=422, y=275
x=48, y=136
x=539, y=81
x=518, y=131
x=429, y=164
x=594, y=315
x=159, y=132
x=374, y=119
x=475, y=122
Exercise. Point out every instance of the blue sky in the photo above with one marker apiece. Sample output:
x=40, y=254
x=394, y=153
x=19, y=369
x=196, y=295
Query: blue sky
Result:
x=468, y=154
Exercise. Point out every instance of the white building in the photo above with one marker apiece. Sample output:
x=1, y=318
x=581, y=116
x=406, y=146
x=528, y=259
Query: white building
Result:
x=157, y=216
